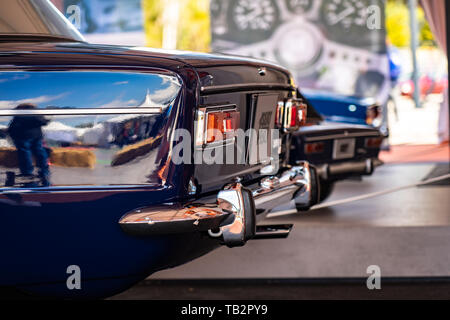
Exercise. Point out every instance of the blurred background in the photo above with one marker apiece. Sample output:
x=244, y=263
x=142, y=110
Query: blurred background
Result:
x=372, y=53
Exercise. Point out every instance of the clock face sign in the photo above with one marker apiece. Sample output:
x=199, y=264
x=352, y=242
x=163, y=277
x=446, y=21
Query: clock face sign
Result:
x=299, y=6
x=347, y=22
x=346, y=14
x=215, y=7
x=251, y=21
x=254, y=15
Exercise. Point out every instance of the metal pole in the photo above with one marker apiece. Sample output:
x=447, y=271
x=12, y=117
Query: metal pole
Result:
x=414, y=46
x=447, y=28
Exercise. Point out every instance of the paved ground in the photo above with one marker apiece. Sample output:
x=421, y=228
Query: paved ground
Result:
x=407, y=234
x=288, y=289
x=415, y=125
x=416, y=153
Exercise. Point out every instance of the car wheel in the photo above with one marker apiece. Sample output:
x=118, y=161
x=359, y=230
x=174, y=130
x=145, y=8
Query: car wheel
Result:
x=326, y=188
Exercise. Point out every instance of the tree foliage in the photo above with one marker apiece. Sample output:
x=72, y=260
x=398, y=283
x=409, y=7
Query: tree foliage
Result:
x=193, y=26
x=398, y=25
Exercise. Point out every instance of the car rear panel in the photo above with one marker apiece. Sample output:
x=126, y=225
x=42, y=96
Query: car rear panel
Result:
x=328, y=134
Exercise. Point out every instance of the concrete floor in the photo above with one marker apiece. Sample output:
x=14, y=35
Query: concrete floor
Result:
x=406, y=234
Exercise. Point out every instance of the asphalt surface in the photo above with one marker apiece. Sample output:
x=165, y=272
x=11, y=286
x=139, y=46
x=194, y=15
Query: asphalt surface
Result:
x=406, y=234
x=289, y=289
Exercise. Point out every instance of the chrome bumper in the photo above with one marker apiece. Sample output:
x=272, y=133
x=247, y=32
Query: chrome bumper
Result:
x=232, y=217
x=362, y=167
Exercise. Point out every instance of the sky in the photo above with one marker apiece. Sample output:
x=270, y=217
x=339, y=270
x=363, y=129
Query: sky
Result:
x=84, y=89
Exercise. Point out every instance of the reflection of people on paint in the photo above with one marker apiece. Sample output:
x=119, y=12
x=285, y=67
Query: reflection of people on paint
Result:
x=26, y=133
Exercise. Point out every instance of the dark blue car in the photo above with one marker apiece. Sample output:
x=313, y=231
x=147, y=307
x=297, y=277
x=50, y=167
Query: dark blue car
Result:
x=116, y=162
x=349, y=109
x=338, y=150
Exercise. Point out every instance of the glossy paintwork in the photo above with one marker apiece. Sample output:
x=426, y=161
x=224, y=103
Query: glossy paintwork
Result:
x=338, y=108
x=75, y=221
x=320, y=132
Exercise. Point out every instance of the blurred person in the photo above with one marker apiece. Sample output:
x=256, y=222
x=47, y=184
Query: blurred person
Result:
x=27, y=136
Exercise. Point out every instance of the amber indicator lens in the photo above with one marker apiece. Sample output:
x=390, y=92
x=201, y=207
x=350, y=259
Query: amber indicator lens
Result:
x=374, y=142
x=222, y=125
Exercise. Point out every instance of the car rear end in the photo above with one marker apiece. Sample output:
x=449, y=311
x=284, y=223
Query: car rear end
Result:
x=337, y=150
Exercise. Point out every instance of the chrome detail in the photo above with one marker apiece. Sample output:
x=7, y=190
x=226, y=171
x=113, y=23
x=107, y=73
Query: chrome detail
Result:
x=231, y=199
x=245, y=87
x=80, y=112
x=305, y=197
x=231, y=218
x=192, y=188
x=277, y=190
x=170, y=218
x=262, y=71
x=200, y=128
x=213, y=234
x=350, y=167
x=270, y=183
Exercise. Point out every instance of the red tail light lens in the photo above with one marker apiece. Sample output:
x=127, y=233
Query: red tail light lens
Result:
x=317, y=147
x=295, y=114
x=216, y=126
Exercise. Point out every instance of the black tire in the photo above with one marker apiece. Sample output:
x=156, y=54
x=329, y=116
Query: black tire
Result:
x=326, y=188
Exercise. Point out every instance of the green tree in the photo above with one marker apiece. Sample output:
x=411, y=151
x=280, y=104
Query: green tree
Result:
x=193, y=26
x=153, y=26
x=398, y=25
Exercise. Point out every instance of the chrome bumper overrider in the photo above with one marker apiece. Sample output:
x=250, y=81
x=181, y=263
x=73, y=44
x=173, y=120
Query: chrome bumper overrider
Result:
x=232, y=217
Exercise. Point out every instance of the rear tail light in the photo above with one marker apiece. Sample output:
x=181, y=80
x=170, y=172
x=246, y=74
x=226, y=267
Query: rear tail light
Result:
x=216, y=126
x=279, y=115
x=294, y=114
x=374, y=116
x=317, y=147
x=374, y=142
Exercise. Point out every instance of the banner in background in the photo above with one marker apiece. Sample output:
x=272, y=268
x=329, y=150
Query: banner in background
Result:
x=106, y=21
x=333, y=45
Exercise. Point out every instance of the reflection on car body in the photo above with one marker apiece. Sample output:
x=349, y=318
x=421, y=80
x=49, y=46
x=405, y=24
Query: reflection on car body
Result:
x=119, y=207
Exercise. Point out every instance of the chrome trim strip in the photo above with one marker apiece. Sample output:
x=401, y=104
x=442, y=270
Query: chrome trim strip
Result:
x=343, y=136
x=232, y=217
x=82, y=189
x=245, y=87
x=80, y=112
x=170, y=219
